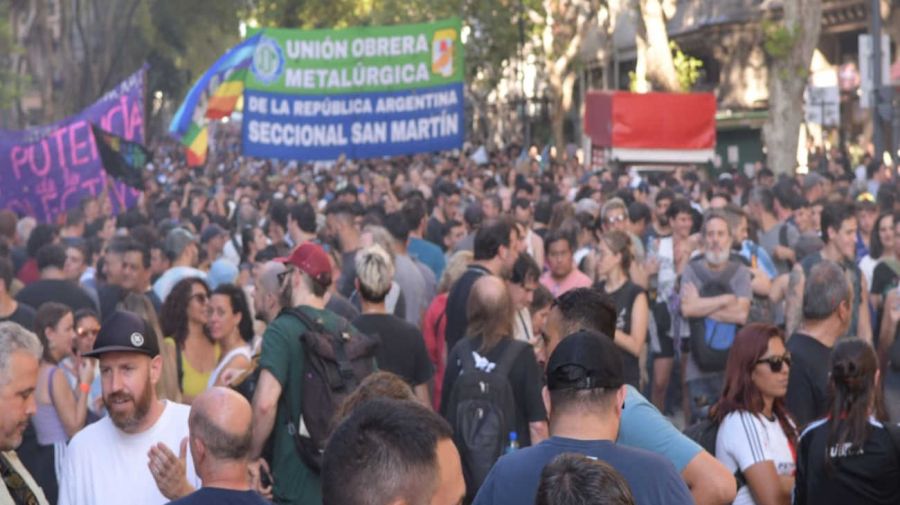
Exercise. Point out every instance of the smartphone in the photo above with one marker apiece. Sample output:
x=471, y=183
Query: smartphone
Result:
x=265, y=478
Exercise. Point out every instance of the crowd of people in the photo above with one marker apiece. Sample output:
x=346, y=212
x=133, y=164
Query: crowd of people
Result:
x=431, y=329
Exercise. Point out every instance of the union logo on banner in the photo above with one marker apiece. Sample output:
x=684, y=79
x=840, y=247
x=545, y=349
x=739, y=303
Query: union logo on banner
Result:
x=268, y=60
x=442, y=52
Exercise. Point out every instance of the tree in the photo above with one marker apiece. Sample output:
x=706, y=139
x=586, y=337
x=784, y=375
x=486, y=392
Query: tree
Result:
x=11, y=83
x=565, y=23
x=789, y=44
x=655, y=66
x=75, y=54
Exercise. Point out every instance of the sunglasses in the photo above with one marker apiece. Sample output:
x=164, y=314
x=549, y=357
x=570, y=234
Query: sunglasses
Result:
x=283, y=276
x=84, y=332
x=200, y=297
x=615, y=219
x=776, y=363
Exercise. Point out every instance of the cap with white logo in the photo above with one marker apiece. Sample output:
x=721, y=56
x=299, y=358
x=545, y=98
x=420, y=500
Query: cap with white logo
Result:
x=124, y=332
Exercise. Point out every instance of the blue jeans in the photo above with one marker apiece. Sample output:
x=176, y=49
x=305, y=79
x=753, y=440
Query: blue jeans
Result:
x=704, y=393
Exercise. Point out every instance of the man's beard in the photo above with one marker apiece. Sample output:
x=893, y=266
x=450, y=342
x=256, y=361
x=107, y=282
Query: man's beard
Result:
x=128, y=421
x=716, y=258
x=15, y=442
x=663, y=220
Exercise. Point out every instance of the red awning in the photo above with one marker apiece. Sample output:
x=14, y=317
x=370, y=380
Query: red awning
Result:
x=652, y=126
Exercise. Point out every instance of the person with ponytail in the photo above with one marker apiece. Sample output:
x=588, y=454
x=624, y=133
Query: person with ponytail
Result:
x=756, y=435
x=614, y=258
x=853, y=454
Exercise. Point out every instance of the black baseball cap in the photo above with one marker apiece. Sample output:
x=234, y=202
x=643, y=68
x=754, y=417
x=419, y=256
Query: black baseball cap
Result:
x=585, y=360
x=124, y=332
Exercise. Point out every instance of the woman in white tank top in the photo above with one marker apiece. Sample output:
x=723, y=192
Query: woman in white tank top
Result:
x=231, y=326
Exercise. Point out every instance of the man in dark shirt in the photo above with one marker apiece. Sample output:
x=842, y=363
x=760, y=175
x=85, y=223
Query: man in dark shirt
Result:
x=341, y=228
x=826, y=316
x=402, y=350
x=496, y=250
x=220, y=427
x=446, y=209
x=10, y=309
x=839, y=226
x=136, y=272
x=53, y=285
x=586, y=388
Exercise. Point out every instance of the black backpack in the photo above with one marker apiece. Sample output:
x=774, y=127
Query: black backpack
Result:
x=704, y=433
x=710, y=339
x=481, y=409
x=334, y=366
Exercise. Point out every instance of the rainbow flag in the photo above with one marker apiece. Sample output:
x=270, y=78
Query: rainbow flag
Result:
x=213, y=96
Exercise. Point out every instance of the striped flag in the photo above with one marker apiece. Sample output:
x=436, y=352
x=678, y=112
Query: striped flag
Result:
x=213, y=96
x=123, y=159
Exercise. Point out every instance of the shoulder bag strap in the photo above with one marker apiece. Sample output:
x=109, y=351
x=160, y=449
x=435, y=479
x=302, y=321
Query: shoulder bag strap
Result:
x=893, y=431
x=179, y=366
x=509, y=355
x=50, y=383
x=467, y=362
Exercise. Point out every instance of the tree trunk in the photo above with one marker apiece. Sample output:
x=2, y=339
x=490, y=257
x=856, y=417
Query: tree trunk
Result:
x=788, y=74
x=566, y=21
x=652, y=37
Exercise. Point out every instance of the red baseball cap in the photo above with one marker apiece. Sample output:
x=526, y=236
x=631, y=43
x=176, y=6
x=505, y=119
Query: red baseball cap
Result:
x=312, y=260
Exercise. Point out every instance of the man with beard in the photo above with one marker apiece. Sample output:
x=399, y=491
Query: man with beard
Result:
x=660, y=227
x=106, y=463
x=496, y=251
x=20, y=351
x=341, y=230
x=733, y=307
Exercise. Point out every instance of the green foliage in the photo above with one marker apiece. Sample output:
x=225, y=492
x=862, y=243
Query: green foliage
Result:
x=778, y=39
x=687, y=68
x=11, y=84
x=183, y=38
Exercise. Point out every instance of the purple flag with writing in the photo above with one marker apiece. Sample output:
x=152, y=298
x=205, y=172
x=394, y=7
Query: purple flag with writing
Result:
x=48, y=169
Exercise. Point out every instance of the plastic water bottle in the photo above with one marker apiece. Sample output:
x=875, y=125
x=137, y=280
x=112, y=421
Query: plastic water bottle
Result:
x=513, y=442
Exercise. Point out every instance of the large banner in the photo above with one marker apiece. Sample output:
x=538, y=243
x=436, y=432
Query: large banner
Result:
x=47, y=170
x=358, y=92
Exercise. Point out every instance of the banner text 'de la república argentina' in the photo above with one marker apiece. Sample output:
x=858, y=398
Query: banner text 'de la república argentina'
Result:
x=358, y=92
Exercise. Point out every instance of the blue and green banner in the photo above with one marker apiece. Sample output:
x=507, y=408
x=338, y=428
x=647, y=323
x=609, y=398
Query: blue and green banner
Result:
x=359, y=92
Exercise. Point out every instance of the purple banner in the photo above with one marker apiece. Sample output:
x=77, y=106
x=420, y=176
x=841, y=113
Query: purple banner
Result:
x=48, y=169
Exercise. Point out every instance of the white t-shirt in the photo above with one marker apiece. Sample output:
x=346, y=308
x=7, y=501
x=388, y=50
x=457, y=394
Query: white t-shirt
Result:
x=867, y=265
x=106, y=466
x=243, y=350
x=746, y=439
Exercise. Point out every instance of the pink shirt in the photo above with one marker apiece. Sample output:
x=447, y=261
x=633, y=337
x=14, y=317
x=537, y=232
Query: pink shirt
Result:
x=575, y=279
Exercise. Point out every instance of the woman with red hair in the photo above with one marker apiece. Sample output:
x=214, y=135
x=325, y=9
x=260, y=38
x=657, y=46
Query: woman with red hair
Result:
x=756, y=435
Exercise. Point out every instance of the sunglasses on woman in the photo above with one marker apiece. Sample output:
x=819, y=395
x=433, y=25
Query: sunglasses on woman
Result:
x=85, y=332
x=200, y=297
x=776, y=363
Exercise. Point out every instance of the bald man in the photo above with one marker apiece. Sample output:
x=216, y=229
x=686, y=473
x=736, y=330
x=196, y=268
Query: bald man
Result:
x=220, y=424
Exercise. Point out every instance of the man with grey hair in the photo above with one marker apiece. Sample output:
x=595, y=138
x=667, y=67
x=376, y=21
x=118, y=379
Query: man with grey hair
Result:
x=827, y=312
x=182, y=249
x=220, y=436
x=714, y=288
x=269, y=297
x=20, y=354
x=402, y=350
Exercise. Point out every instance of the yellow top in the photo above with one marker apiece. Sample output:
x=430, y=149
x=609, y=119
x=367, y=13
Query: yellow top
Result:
x=193, y=382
